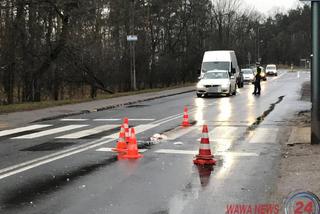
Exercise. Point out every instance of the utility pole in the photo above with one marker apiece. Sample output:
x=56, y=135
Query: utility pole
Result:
x=315, y=72
x=132, y=39
x=315, y=75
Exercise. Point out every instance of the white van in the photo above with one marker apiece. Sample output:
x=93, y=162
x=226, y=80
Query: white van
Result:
x=222, y=61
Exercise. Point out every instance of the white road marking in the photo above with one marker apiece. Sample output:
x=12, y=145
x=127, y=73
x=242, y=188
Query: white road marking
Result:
x=191, y=152
x=117, y=119
x=15, y=169
x=224, y=132
x=137, y=119
x=102, y=120
x=22, y=129
x=110, y=150
x=265, y=135
x=88, y=132
x=138, y=129
x=179, y=133
x=277, y=77
x=73, y=120
x=49, y=158
x=178, y=152
x=49, y=132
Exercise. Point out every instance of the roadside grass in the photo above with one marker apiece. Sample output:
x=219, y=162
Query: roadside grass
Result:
x=46, y=104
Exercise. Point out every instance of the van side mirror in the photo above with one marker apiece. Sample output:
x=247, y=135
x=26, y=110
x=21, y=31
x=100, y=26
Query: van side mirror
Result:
x=233, y=70
x=198, y=71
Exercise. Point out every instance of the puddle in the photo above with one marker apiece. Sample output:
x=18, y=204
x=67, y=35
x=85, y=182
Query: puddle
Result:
x=24, y=194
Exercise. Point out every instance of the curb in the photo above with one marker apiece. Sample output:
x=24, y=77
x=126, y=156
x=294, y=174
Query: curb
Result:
x=60, y=116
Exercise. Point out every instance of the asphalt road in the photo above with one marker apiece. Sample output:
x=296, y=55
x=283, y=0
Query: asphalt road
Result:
x=64, y=166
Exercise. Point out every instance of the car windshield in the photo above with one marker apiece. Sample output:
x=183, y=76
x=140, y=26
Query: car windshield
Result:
x=271, y=67
x=247, y=71
x=210, y=66
x=216, y=75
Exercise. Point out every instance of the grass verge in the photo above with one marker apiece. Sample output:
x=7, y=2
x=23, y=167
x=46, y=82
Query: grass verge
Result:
x=46, y=104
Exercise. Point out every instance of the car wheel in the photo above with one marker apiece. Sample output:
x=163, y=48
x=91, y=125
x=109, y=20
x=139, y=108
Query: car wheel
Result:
x=199, y=95
x=276, y=74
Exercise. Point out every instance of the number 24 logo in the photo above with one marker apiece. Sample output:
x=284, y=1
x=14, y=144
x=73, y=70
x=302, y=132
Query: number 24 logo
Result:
x=302, y=208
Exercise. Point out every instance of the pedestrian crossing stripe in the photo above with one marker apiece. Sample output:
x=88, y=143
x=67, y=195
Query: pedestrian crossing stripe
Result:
x=110, y=150
x=73, y=120
x=105, y=119
x=138, y=129
x=217, y=134
x=50, y=132
x=88, y=132
x=22, y=129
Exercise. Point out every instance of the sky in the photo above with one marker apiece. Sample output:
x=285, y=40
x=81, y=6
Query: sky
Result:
x=268, y=6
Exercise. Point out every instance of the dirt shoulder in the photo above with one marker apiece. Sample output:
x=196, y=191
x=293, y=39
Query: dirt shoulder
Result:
x=300, y=163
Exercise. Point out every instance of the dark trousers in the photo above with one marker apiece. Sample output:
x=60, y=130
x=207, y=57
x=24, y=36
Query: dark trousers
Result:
x=257, y=88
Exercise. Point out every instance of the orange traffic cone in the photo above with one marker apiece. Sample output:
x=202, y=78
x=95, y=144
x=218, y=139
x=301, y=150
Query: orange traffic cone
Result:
x=204, y=157
x=132, y=152
x=185, y=122
x=121, y=145
x=126, y=129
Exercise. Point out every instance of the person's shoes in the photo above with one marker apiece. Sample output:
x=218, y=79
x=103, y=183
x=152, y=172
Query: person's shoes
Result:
x=254, y=93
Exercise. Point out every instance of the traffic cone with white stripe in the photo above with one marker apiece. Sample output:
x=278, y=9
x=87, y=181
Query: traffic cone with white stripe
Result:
x=132, y=152
x=204, y=157
x=126, y=129
x=185, y=122
x=121, y=145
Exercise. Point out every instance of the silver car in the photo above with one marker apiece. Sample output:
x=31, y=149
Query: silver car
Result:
x=217, y=82
x=248, y=75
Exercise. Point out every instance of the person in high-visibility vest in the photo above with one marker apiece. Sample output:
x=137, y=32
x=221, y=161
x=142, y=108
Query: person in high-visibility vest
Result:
x=257, y=80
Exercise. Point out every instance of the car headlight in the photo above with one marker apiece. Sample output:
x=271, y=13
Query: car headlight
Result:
x=199, y=85
x=226, y=85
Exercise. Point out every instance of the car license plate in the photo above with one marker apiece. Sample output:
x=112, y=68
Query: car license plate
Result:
x=214, y=89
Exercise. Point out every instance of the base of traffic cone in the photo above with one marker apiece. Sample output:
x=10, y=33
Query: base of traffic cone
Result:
x=205, y=161
x=135, y=156
x=186, y=124
x=120, y=156
x=204, y=157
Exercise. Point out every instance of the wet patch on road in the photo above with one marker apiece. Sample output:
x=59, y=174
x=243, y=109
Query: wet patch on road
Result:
x=261, y=118
x=101, y=134
x=27, y=194
x=137, y=106
x=49, y=146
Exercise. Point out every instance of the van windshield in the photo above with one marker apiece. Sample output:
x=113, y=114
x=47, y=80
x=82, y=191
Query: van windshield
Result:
x=211, y=66
x=271, y=67
x=216, y=75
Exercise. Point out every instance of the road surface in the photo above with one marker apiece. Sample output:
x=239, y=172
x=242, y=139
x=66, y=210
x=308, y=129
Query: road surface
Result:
x=64, y=166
